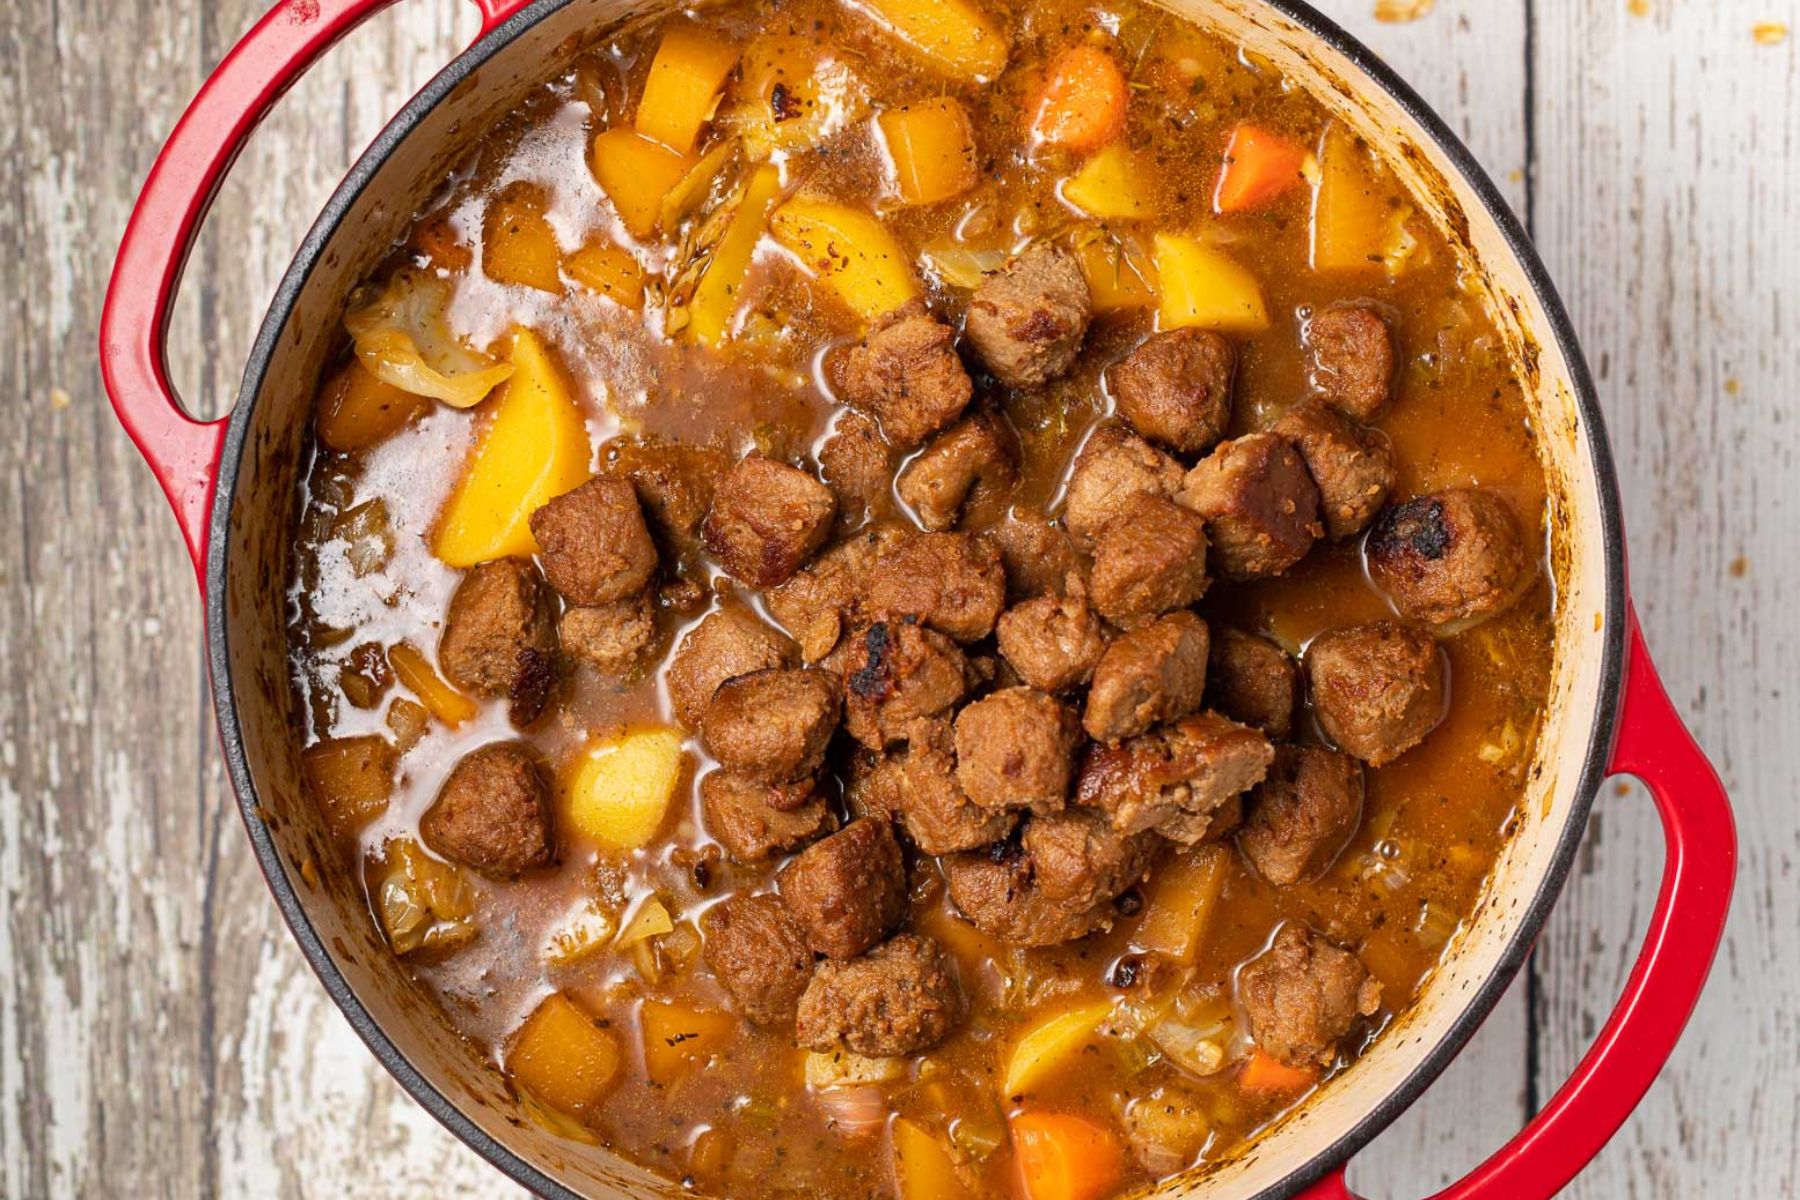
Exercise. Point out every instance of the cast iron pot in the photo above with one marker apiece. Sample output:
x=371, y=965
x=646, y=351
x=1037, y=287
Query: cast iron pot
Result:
x=233, y=485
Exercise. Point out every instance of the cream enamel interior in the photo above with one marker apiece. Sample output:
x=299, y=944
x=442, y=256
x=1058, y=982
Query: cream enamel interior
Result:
x=255, y=544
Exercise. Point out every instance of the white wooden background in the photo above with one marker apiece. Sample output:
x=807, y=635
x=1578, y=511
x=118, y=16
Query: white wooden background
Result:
x=160, y=1036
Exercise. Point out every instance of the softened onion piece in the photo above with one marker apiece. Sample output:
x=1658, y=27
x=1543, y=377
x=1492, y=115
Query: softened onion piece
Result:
x=403, y=339
x=856, y=1111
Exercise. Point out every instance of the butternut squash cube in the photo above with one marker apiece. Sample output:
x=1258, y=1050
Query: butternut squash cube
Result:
x=1116, y=275
x=1183, y=896
x=716, y=296
x=563, y=1057
x=359, y=410
x=682, y=88
x=1050, y=1043
x=619, y=791
x=678, y=1038
x=609, y=271
x=535, y=448
x=636, y=172
x=852, y=252
x=518, y=246
x=351, y=778
x=1200, y=285
x=923, y=1168
x=956, y=35
x=930, y=149
x=1115, y=184
x=1350, y=211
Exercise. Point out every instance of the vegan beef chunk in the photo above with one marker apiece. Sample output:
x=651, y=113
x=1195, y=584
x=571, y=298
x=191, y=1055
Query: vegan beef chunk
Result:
x=1112, y=469
x=1175, y=779
x=1303, y=995
x=674, y=486
x=1260, y=505
x=1456, y=555
x=613, y=637
x=1154, y=673
x=1016, y=749
x=1027, y=320
x=819, y=602
x=901, y=998
x=493, y=813
x=1053, y=642
x=1350, y=360
x=1377, y=689
x=1038, y=554
x=754, y=947
x=1149, y=560
x=755, y=820
x=1353, y=468
x=1078, y=859
x=1252, y=680
x=766, y=520
x=856, y=463
x=1303, y=814
x=896, y=672
x=594, y=543
x=968, y=470
x=727, y=643
x=499, y=636
x=1175, y=388
x=917, y=786
x=996, y=888
x=849, y=890
x=772, y=725
x=952, y=582
x=906, y=375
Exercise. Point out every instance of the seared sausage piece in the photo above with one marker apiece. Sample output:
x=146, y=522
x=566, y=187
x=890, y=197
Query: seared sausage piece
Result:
x=1053, y=642
x=1260, y=504
x=901, y=998
x=1175, y=388
x=754, y=947
x=1303, y=814
x=499, y=635
x=1303, y=995
x=953, y=582
x=917, y=786
x=1456, y=555
x=772, y=725
x=1027, y=320
x=766, y=519
x=848, y=890
x=1377, y=689
x=493, y=813
x=755, y=820
x=729, y=642
x=1252, y=680
x=1015, y=748
x=1353, y=468
x=613, y=636
x=969, y=469
x=594, y=543
x=1177, y=778
x=1350, y=359
x=1112, y=469
x=906, y=375
x=1155, y=673
x=896, y=672
x=1149, y=560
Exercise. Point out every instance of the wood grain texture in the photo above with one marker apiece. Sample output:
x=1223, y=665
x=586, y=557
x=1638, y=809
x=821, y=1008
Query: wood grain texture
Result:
x=159, y=1034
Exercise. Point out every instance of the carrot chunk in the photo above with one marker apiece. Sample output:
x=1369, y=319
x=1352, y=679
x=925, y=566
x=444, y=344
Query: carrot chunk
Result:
x=1259, y=166
x=1064, y=1157
x=1266, y=1075
x=1082, y=104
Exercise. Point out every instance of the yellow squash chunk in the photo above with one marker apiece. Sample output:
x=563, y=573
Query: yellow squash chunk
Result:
x=1350, y=212
x=636, y=173
x=351, y=778
x=1115, y=185
x=562, y=1056
x=678, y=1038
x=717, y=294
x=956, y=35
x=415, y=673
x=1202, y=286
x=930, y=149
x=923, y=1168
x=682, y=88
x=792, y=92
x=1050, y=1043
x=619, y=791
x=535, y=448
x=517, y=244
x=1115, y=277
x=609, y=271
x=850, y=251
x=359, y=410
x=1184, y=894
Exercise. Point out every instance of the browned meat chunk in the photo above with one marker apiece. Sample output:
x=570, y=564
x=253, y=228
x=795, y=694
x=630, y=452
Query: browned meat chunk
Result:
x=1149, y=560
x=727, y=643
x=996, y=889
x=1078, y=859
x=755, y=820
x=674, y=486
x=857, y=465
x=772, y=725
x=594, y=544
x=1152, y=674
x=500, y=636
x=1016, y=749
x=917, y=786
x=1302, y=815
x=906, y=375
x=895, y=673
x=1303, y=995
x=1175, y=388
x=1350, y=360
x=900, y=998
x=1261, y=506
x=969, y=469
x=1456, y=555
x=1377, y=689
x=613, y=637
x=1175, y=778
x=1353, y=468
x=848, y=890
x=950, y=581
x=1112, y=469
x=820, y=602
x=1053, y=642
x=1038, y=554
x=493, y=813
x=766, y=519
x=1252, y=680
x=1026, y=321
x=757, y=951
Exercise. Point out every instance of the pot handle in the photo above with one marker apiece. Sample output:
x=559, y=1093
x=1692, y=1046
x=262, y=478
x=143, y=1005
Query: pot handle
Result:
x=1665, y=982
x=184, y=452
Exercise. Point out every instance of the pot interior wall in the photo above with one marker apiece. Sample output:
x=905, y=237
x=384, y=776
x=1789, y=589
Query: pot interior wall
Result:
x=255, y=545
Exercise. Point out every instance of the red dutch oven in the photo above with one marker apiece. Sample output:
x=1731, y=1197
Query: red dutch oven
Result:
x=233, y=484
